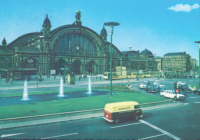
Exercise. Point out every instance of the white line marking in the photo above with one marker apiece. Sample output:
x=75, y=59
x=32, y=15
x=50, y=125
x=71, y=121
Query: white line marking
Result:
x=163, y=131
x=152, y=108
x=193, y=97
x=125, y=125
x=152, y=137
x=9, y=135
x=197, y=102
x=60, y=136
x=186, y=103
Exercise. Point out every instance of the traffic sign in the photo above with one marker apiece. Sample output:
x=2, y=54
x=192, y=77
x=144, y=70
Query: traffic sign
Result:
x=177, y=90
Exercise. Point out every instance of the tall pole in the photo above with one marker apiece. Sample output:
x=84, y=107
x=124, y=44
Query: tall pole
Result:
x=111, y=25
x=199, y=65
x=111, y=65
x=121, y=72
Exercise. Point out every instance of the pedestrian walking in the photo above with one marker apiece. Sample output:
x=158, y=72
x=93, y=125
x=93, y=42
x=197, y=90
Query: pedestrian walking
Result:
x=100, y=77
x=79, y=78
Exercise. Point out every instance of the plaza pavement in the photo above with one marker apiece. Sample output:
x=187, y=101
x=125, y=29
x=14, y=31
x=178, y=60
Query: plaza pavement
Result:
x=51, y=82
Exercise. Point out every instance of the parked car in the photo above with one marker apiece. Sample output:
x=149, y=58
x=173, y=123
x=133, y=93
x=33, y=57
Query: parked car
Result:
x=182, y=92
x=185, y=88
x=171, y=94
x=159, y=84
x=161, y=88
x=144, y=84
x=151, y=89
x=156, y=82
x=197, y=92
x=180, y=83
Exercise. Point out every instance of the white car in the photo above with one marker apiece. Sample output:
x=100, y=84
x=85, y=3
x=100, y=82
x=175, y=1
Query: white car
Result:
x=143, y=85
x=158, y=84
x=180, y=83
x=171, y=94
x=155, y=83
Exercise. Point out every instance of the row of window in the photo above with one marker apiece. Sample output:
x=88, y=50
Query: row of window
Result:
x=76, y=42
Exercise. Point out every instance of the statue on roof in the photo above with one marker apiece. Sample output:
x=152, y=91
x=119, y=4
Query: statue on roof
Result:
x=78, y=15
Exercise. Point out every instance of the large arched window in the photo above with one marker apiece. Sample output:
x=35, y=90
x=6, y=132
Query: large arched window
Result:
x=62, y=45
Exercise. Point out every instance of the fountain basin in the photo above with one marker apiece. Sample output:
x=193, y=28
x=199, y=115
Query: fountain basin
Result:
x=50, y=97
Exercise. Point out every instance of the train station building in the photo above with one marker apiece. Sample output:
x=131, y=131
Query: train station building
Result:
x=71, y=48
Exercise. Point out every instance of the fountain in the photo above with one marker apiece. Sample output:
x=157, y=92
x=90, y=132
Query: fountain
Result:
x=89, y=86
x=25, y=94
x=61, y=93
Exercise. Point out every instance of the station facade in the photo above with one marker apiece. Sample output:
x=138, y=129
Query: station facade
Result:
x=71, y=48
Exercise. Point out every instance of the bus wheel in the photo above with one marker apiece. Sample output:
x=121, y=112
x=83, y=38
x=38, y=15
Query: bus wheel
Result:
x=137, y=118
x=117, y=121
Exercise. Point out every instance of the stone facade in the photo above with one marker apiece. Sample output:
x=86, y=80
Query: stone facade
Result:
x=176, y=62
x=71, y=48
x=194, y=64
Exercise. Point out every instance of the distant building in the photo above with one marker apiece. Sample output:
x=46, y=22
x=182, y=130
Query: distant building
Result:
x=194, y=64
x=178, y=61
x=158, y=59
x=139, y=61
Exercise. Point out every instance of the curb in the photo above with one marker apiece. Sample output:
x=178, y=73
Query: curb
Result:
x=80, y=117
x=64, y=120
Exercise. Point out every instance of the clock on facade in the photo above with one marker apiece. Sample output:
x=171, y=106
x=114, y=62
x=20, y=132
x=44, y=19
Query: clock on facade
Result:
x=30, y=60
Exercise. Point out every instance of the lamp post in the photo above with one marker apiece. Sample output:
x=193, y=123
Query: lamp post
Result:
x=199, y=59
x=111, y=25
x=120, y=58
x=130, y=48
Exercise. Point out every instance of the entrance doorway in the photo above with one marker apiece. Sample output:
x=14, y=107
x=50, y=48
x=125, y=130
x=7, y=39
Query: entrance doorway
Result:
x=76, y=67
x=91, y=67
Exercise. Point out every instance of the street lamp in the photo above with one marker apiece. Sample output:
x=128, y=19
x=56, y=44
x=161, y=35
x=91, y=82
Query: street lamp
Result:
x=111, y=25
x=130, y=48
x=199, y=59
x=120, y=58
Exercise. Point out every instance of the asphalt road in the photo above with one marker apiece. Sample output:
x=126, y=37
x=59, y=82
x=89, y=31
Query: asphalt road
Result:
x=176, y=122
x=165, y=123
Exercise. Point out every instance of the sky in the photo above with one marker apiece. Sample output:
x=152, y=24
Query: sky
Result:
x=161, y=26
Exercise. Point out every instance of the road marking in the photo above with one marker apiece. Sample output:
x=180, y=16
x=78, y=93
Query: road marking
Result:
x=186, y=103
x=154, y=108
x=193, y=97
x=60, y=135
x=197, y=102
x=124, y=125
x=159, y=129
x=151, y=137
x=9, y=135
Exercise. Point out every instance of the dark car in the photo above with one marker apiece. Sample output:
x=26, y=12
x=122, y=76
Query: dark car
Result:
x=151, y=89
x=161, y=89
x=182, y=92
x=185, y=88
x=197, y=92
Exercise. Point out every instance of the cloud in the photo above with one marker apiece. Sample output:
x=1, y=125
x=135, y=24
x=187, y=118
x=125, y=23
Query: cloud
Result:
x=184, y=8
